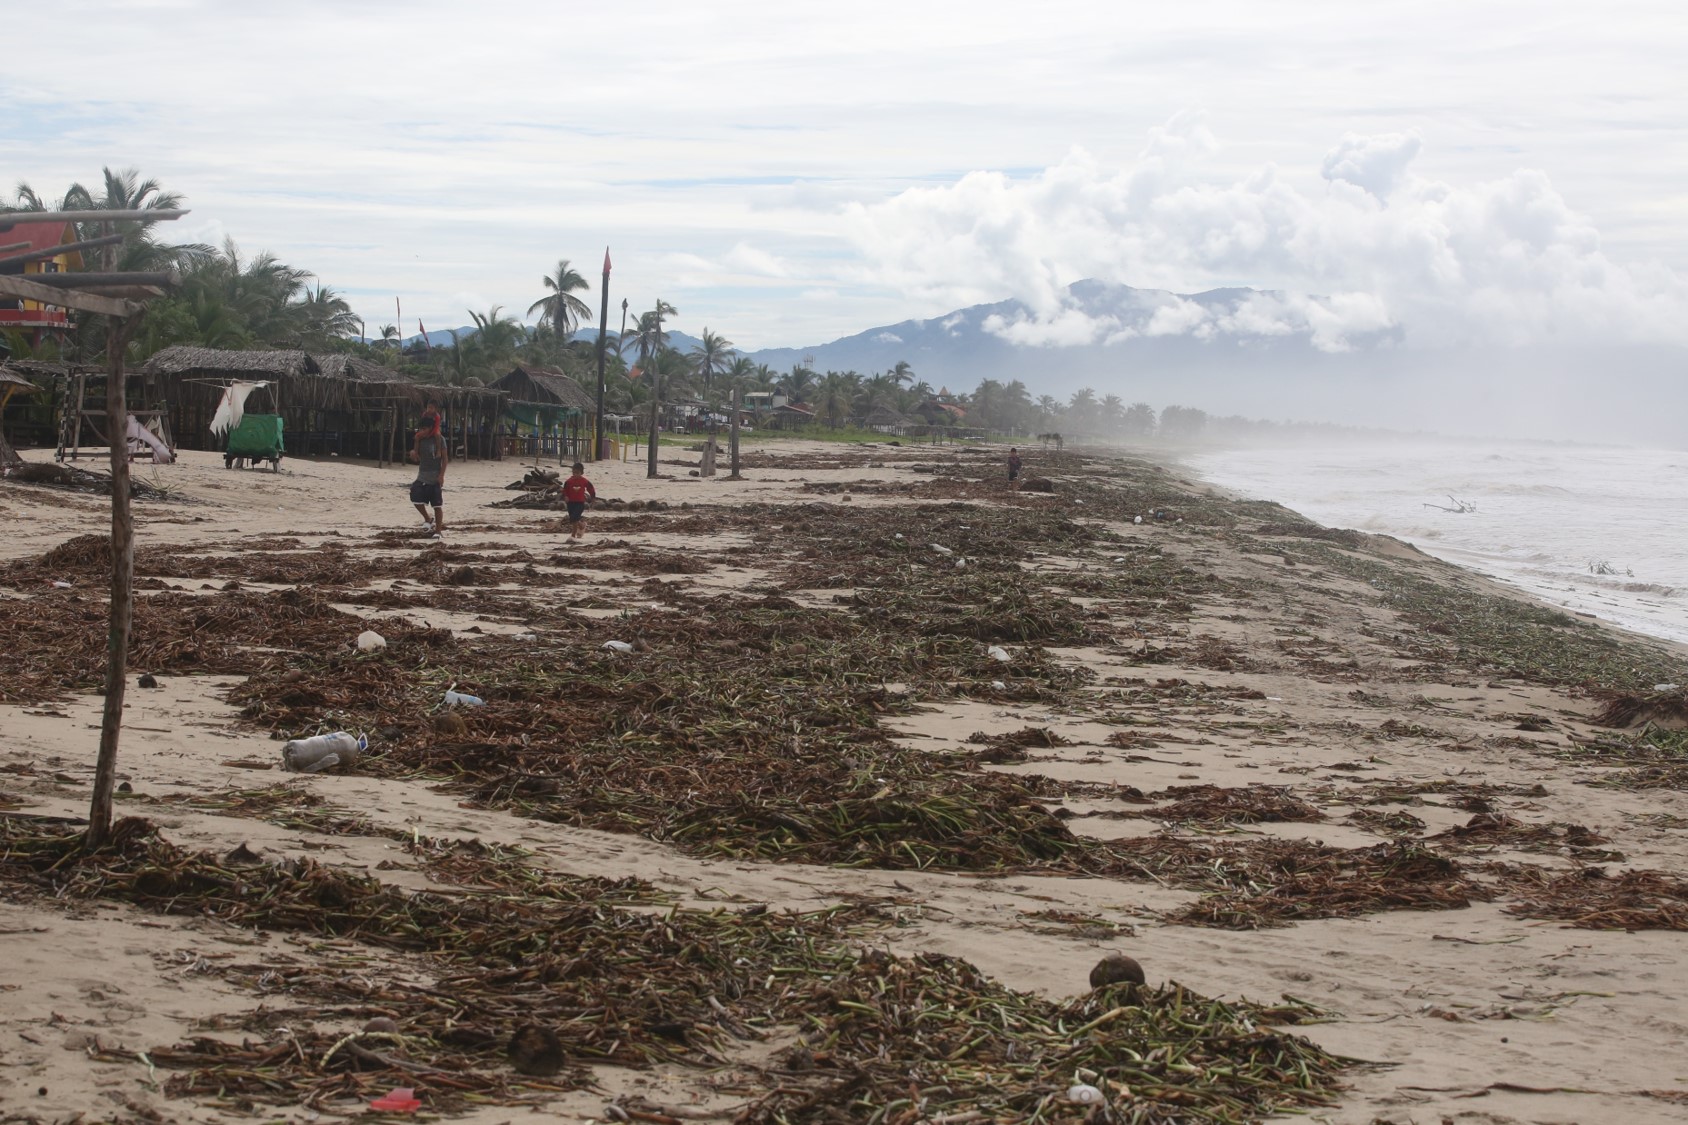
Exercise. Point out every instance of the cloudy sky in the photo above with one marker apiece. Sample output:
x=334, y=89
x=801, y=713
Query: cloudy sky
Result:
x=785, y=173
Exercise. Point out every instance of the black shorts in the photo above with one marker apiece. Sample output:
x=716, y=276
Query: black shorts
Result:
x=577, y=509
x=426, y=494
x=1013, y=471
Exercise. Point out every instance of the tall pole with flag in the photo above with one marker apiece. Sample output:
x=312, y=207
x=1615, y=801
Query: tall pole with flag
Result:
x=599, y=452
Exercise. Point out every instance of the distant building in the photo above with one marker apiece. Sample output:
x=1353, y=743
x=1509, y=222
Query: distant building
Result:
x=26, y=249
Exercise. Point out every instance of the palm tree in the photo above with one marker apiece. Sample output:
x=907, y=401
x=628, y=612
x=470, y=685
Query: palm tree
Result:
x=326, y=316
x=799, y=384
x=561, y=307
x=902, y=373
x=496, y=339
x=834, y=399
x=710, y=355
x=389, y=336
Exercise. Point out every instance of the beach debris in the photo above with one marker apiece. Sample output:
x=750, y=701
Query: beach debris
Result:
x=616, y=646
x=1037, y=484
x=941, y=549
x=450, y=724
x=998, y=653
x=401, y=1099
x=61, y=584
x=455, y=698
x=323, y=752
x=1116, y=968
x=1460, y=507
x=998, y=685
x=147, y=680
x=381, y=1025
x=1136, y=519
x=535, y=1050
x=371, y=641
x=1083, y=1093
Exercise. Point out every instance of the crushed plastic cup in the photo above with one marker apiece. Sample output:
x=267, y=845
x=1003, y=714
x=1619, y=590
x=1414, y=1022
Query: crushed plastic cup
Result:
x=462, y=699
x=402, y=1099
x=371, y=641
x=1084, y=1094
x=997, y=652
x=618, y=646
x=941, y=549
x=998, y=685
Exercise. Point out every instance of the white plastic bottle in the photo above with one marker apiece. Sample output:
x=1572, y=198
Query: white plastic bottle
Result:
x=323, y=751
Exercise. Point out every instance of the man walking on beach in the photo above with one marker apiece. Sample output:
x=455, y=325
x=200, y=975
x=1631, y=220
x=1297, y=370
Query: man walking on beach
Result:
x=577, y=490
x=428, y=487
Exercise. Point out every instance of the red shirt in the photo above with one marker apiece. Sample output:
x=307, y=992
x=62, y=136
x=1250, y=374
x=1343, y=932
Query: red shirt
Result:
x=577, y=489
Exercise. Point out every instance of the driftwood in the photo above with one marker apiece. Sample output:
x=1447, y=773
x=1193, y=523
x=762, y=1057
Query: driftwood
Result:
x=1460, y=507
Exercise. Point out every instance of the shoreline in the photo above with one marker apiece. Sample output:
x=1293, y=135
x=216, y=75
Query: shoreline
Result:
x=1236, y=686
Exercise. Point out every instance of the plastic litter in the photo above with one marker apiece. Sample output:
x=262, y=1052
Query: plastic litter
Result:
x=462, y=699
x=1134, y=519
x=1667, y=687
x=960, y=564
x=941, y=549
x=997, y=652
x=618, y=646
x=998, y=685
x=371, y=641
x=1084, y=1094
x=60, y=584
x=402, y=1099
x=323, y=752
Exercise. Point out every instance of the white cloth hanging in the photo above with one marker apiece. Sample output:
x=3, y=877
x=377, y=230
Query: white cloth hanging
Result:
x=232, y=407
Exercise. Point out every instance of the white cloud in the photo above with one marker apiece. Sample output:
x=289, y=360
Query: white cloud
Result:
x=1378, y=164
x=1066, y=328
x=887, y=338
x=1382, y=250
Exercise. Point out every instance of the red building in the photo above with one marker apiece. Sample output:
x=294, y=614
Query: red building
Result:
x=27, y=248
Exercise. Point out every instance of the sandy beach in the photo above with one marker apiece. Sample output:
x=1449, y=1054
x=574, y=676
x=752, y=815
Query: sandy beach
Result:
x=1309, y=770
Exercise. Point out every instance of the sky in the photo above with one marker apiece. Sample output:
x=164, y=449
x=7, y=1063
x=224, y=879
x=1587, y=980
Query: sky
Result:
x=787, y=173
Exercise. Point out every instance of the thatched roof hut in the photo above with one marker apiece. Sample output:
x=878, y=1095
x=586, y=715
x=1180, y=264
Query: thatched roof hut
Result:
x=337, y=403
x=546, y=386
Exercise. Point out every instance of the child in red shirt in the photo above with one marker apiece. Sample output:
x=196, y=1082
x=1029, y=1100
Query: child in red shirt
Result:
x=577, y=490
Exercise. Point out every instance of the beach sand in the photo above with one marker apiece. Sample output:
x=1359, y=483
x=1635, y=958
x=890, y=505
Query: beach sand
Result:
x=1296, y=674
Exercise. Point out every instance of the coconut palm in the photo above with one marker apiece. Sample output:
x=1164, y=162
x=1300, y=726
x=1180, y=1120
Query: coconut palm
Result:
x=326, y=316
x=834, y=398
x=561, y=307
x=799, y=384
x=711, y=355
x=902, y=373
x=496, y=338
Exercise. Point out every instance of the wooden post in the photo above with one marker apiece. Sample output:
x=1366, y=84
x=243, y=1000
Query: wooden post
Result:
x=118, y=332
x=732, y=439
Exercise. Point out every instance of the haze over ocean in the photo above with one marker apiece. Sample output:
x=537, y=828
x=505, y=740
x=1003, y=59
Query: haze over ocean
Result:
x=1591, y=529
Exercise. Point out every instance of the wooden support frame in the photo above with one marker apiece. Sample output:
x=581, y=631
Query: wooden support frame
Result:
x=13, y=286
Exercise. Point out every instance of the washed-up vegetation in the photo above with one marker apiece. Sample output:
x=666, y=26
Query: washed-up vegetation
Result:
x=873, y=1037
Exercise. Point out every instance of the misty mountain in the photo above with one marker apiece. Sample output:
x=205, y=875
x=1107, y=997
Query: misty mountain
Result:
x=1241, y=351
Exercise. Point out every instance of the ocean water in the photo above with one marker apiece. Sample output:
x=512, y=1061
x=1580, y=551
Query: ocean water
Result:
x=1594, y=530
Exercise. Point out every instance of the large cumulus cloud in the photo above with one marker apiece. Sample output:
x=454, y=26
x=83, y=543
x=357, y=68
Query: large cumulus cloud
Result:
x=1373, y=250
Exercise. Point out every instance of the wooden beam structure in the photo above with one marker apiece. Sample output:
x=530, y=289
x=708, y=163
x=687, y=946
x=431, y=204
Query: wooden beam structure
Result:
x=9, y=219
x=55, y=251
x=79, y=280
x=66, y=298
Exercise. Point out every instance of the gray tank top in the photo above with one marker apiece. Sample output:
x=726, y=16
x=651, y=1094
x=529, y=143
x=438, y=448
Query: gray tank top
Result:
x=428, y=460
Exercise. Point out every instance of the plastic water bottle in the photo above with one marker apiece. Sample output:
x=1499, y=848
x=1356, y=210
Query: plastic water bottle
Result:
x=460, y=699
x=323, y=751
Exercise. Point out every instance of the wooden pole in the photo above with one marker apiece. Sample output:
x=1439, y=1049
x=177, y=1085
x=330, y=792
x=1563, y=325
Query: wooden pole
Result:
x=118, y=333
x=732, y=440
x=145, y=214
x=599, y=441
x=656, y=395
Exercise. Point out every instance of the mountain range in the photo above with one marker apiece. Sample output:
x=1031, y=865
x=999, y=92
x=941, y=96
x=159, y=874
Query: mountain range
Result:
x=1257, y=353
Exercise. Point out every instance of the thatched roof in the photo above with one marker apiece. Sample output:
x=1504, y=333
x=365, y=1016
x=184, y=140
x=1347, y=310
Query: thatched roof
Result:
x=358, y=369
x=181, y=359
x=9, y=378
x=546, y=385
x=885, y=416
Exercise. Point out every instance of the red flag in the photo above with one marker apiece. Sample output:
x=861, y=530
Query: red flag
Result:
x=606, y=261
x=424, y=330
x=634, y=372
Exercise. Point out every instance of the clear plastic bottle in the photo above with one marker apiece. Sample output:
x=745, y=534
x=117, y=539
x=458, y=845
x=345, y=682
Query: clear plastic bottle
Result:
x=323, y=751
x=461, y=699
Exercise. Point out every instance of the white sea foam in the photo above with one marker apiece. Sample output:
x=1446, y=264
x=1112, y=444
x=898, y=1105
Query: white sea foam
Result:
x=1594, y=530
